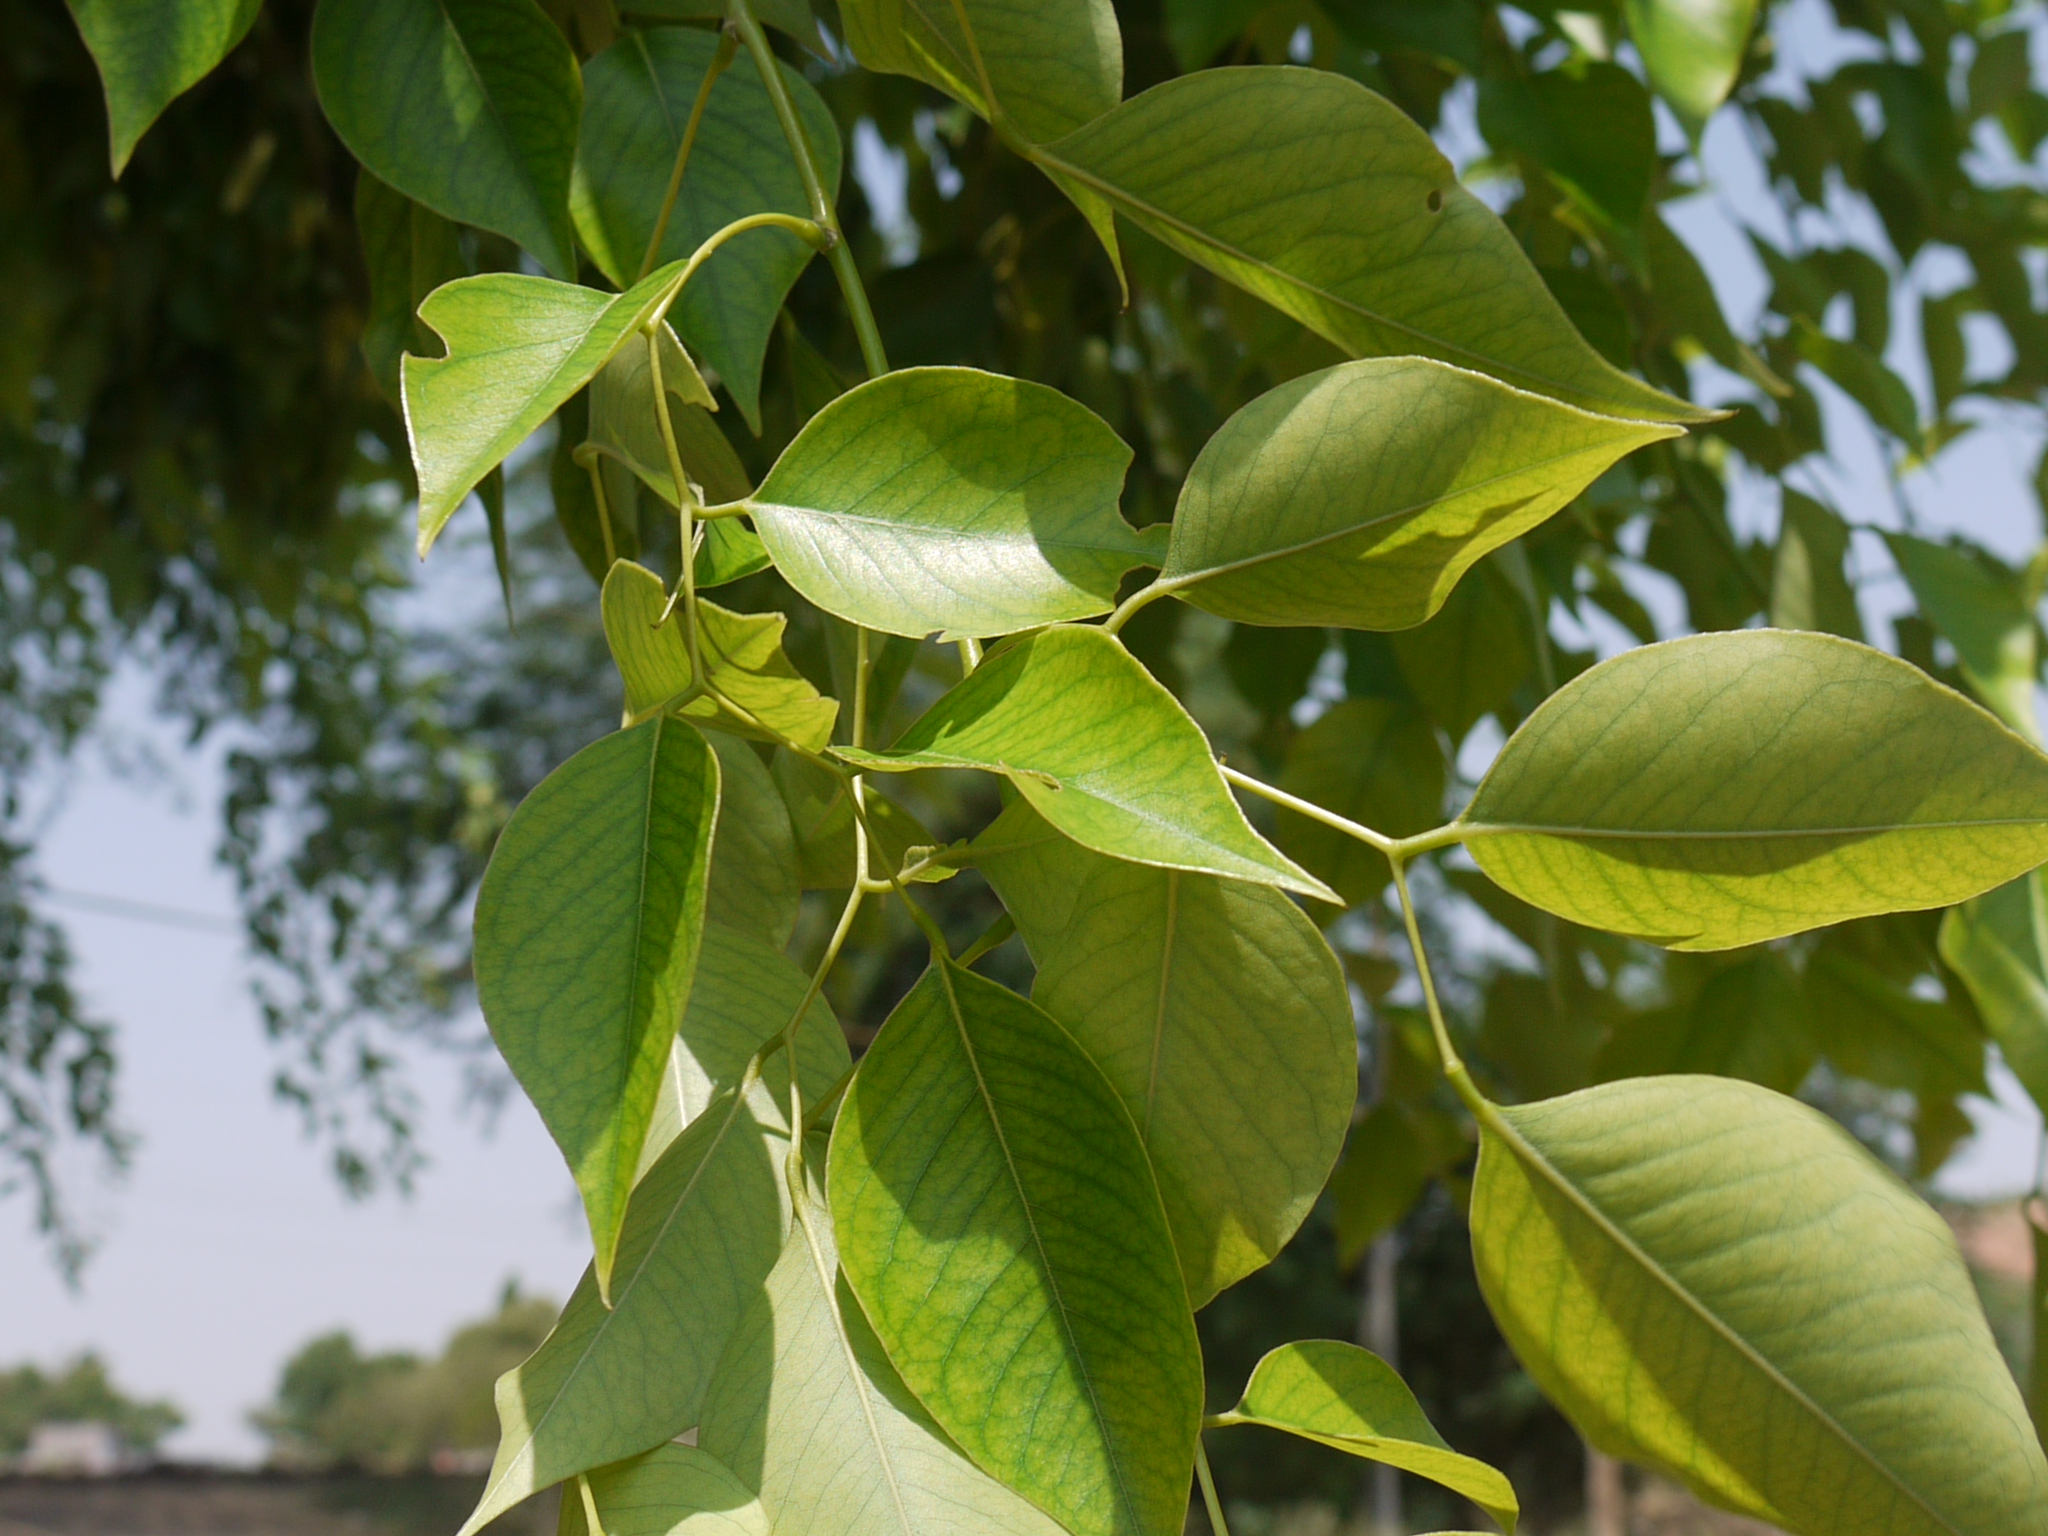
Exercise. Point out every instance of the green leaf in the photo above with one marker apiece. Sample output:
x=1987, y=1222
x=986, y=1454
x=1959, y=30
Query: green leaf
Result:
x=1342, y=1396
x=1998, y=945
x=1217, y=1013
x=673, y=1490
x=822, y=815
x=806, y=1405
x=728, y=551
x=1470, y=658
x=953, y=500
x=704, y=1230
x=150, y=52
x=1864, y=378
x=491, y=492
x=576, y=502
x=1730, y=788
x=998, y=1220
x=1102, y=751
x=1749, y=1021
x=622, y=419
x=1197, y=30
x=1717, y=1282
x=1328, y=202
x=1808, y=587
x=468, y=106
x=587, y=928
x=746, y=992
x=1985, y=618
x=1388, y=1162
x=1687, y=302
x=1693, y=50
x=754, y=886
x=742, y=654
x=1374, y=761
x=408, y=252
x=638, y=95
x=1590, y=127
x=518, y=348
x=1358, y=496
x=1053, y=64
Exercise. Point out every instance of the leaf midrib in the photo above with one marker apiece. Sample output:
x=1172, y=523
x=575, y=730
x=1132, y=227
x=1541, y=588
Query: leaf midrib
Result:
x=935, y=531
x=1524, y=1151
x=519, y=167
x=945, y=969
x=1473, y=829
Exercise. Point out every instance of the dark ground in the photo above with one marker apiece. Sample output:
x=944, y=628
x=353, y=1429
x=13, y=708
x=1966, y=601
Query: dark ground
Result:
x=169, y=1502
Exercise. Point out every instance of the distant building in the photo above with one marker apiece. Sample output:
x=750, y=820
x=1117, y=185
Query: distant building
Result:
x=86, y=1448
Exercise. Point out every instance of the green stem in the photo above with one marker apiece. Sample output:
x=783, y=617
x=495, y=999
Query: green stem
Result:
x=1310, y=809
x=831, y=1095
x=970, y=656
x=728, y=46
x=998, y=932
x=1126, y=609
x=837, y=253
x=1454, y=1068
x=809, y=231
x=1217, y=1524
x=685, y=504
x=604, y=510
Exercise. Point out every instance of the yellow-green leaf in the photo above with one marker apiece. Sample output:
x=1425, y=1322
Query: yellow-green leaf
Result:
x=672, y=1490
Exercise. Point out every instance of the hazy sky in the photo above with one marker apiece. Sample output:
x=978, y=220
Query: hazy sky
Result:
x=230, y=1244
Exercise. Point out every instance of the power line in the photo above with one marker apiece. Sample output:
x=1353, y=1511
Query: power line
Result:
x=144, y=911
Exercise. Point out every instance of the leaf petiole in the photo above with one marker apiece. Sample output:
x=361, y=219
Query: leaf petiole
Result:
x=1217, y=1524
x=1454, y=1066
x=728, y=46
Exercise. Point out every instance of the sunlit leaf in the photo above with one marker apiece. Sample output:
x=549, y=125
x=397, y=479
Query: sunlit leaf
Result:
x=1729, y=788
x=672, y=1490
x=150, y=53
x=1342, y=1396
x=467, y=106
x=1718, y=1282
x=1998, y=945
x=1985, y=617
x=998, y=1220
x=587, y=930
x=1693, y=50
x=1359, y=495
x=638, y=95
x=1102, y=751
x=1218, y=1014
x=953, y=500
x=1328, y=202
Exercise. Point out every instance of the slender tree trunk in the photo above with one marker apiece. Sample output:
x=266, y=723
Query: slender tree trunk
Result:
x=1379, y=1330
x=1606, y=1497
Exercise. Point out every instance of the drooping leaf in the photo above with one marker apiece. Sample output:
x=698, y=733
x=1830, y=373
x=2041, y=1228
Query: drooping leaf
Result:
x=1693, y=50
x=1349, y=1398
x=1864, y=377
x=703, y=1231
x=1718, y=1282
x=1729, y=788
x=1998, y=945
x=518, y=348
x=745, y=993
x=638, y=95
x=1750, y=1021
x=807, y=1408
x=467, y=106
x=150, y=52
x=1328, y=202
x=1100, y=749
x=622, y=419
x=587, y=928
x=1374, y=761
x=754, y=880
x=1470, y=658
x=673, y=1490
x=743, y=658
x=1217, y=1013
x=1808, y=587
x=408, y=252
x=1053, y=64
x=491, y=492
x=998, y=1219
x=953, y=500
x=1359, y=495
x=1986, y=619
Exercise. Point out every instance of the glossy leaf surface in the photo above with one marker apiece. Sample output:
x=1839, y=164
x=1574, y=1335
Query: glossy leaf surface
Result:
x=953, y=500
x=1729, y=788
x=468, y=106
x=672, y=1490
x=1342, y=1396
x=998, y=1220
x=1328, y=202
x=1053, y=64
x=1359, y=495
x=807, y=1408
x=1218, y=1014
x=1718, y=1282
x=150, y=53
x=704, y=1229
x=587, y=930
x=638, y=95
x=1100, y=749
x=742, y=653
x=518, y=348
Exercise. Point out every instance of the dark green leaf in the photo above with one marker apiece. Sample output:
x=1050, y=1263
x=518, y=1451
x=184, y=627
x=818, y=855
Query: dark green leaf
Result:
x=150, y=52
x=754, y=885
x=1374, y=761
x=1984, y=616
x=1749, y=1021
x=1468, y=660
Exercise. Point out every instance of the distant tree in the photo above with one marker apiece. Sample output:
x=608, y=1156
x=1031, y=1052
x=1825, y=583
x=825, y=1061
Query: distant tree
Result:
x=81, y=1390
x=389, y=1413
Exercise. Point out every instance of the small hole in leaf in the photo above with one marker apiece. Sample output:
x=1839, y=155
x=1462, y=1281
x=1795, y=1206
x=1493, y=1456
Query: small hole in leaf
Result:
x=1436, y=200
